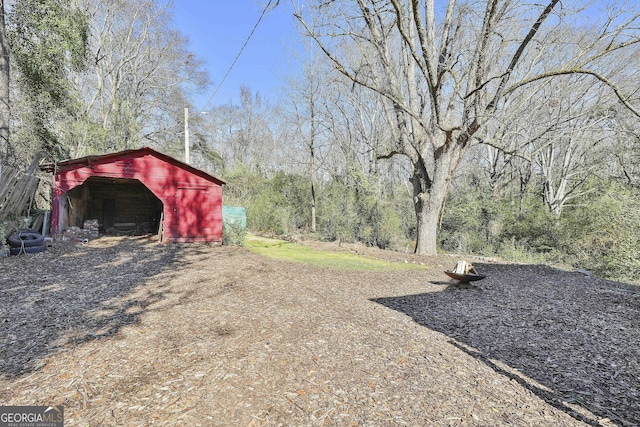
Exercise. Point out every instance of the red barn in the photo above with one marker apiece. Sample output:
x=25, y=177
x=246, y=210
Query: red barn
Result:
x=137, y=191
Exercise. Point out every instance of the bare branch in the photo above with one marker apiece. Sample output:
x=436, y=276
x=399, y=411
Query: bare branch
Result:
x=516, y=57
x=623, y=100
x=390, y=155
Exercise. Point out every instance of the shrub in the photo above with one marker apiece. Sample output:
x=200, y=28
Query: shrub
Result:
x=233, y=233
x=471, y=223
x=601, y=236
x=337, y=214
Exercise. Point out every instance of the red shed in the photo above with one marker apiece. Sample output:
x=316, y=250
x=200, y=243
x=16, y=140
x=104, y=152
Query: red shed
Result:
x=138, y=190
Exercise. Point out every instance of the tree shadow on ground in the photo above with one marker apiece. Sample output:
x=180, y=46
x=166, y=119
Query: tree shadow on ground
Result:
x=64, y=298
x=572, y=340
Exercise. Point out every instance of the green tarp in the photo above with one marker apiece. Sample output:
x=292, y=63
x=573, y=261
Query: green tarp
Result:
x=234, y=215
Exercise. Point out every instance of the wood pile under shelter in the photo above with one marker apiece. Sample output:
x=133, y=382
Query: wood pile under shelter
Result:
x=136, y=192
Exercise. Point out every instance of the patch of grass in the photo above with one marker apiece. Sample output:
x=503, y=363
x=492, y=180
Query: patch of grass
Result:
x=283, y=250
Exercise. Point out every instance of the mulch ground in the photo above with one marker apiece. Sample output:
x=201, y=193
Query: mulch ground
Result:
x=126, y=331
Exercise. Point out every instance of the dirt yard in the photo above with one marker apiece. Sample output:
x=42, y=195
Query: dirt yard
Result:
x=126, y=331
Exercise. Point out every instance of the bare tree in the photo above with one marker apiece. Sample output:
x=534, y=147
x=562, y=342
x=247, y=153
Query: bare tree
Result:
x=567, y=156
x=306, y=103
x=333, y=126
x=243, y=134
x=553, y=138
x=254, y=139
x=445, y=76
x=141, y=75
x=626, y=150
x=5, y=110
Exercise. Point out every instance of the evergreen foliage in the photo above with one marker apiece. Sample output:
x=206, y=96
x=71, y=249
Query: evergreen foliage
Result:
x=601, y=235
x=48, y=41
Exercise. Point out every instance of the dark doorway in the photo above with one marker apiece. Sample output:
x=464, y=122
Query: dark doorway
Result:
x=108, y=214
x=121, y=206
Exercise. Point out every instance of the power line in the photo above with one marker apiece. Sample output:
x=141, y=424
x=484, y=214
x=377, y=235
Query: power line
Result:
x=264, y=12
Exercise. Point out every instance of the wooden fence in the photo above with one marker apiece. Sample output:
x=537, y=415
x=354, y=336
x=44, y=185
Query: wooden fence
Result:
x=17, y=189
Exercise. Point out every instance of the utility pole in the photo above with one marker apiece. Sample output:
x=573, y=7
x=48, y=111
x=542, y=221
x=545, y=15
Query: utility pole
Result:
x=186, y=135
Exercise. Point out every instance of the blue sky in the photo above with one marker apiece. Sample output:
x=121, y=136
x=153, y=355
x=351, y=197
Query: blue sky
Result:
x=217, y=29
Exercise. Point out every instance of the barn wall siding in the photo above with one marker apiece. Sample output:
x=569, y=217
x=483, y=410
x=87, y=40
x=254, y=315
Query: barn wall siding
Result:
x=192, y=199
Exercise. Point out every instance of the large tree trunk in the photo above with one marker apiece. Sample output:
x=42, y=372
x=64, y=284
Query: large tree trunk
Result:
x=5, y=111
x=429, y=195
